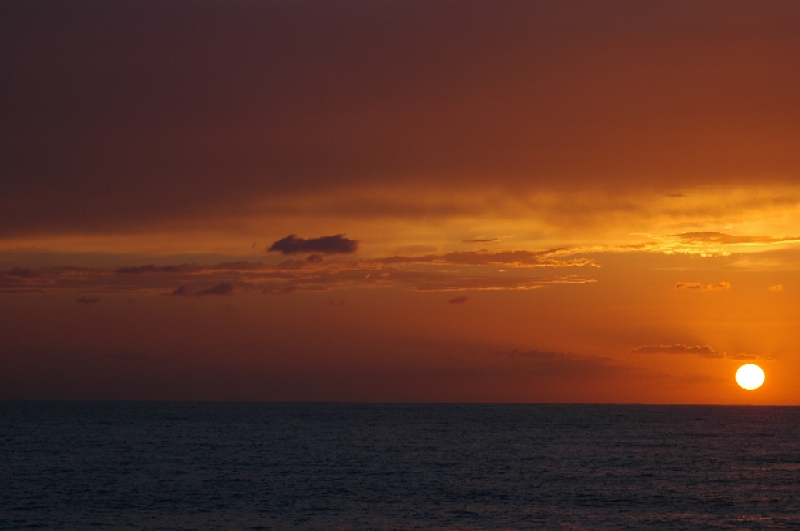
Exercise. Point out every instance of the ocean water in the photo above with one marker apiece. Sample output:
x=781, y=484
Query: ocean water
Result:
x=128, y=465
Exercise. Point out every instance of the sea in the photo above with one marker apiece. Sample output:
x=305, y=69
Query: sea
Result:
x=153, y=465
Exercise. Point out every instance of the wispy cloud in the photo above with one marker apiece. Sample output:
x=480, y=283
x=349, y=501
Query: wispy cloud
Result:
x=696, y=286
x=731, y=239
x=483, y=257
x=87, y=300
x=707, y=244
x=776, y=287
x=458, y=300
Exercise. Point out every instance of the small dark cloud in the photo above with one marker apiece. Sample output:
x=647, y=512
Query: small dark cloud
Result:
x=704, y=351
x=337, y=244
x=674, y=194
x=226, y=288
x=314, y=258
x=696, y=286
x=23, y=272
x=88, y=300
x=458, y=300
x=180, y=291
x=776, y=287
x=334, y=303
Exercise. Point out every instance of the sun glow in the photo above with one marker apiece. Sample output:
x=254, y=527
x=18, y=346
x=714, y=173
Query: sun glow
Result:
x=750, y=377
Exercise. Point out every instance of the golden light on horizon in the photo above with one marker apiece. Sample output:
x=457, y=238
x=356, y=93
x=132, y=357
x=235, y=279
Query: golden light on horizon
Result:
x=750, y=377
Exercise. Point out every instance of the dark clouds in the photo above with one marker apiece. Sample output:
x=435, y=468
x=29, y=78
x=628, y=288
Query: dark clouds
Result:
x=337, y=244
x=127, y=114
x=458, y=300
x=88, y=300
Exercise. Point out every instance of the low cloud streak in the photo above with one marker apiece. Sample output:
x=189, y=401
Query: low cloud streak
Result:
x=429, y=273
x=704, y=351
x=696, y=286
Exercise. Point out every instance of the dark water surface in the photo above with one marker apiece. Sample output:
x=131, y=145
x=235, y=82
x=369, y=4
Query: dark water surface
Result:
x=334, y=466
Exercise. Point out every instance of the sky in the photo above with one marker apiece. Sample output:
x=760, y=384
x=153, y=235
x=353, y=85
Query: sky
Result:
x=399, y=201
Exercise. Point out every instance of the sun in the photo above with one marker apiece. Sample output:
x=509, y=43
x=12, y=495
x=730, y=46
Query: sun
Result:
x=750, y=376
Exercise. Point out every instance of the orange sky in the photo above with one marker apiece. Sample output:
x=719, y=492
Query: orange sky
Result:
x=516, y=202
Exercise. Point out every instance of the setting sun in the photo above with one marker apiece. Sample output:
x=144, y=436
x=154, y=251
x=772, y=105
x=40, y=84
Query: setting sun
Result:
x=750, y=377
